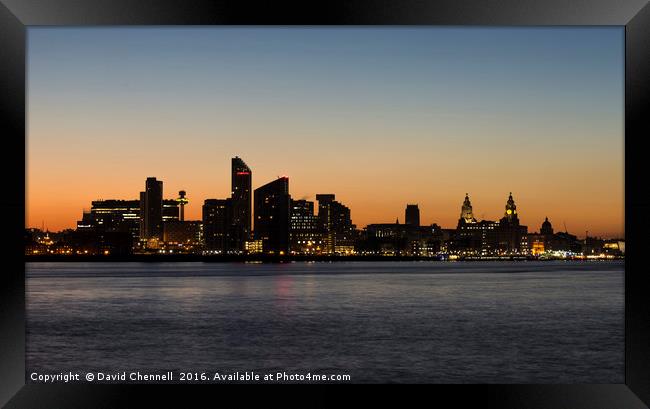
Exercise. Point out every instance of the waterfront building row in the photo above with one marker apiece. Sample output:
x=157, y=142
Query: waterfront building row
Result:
x=284, y=226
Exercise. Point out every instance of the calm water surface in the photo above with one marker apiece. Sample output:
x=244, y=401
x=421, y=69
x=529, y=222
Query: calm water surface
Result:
x=434, y=322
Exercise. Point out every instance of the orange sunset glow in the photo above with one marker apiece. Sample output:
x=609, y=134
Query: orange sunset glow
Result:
x=375, y=122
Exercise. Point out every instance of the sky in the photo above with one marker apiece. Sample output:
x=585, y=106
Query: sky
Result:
x=380, y=116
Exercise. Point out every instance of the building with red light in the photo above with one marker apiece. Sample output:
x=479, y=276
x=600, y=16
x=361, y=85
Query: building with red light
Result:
x=241, y=185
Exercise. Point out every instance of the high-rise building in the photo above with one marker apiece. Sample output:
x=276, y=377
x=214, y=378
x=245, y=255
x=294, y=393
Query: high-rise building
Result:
x=151, y=210
x=113, y=215
x=336, y=223
x=217, y=216
x=113, y=225
x=272, y=203
x=305, y=236
x=412, y=215
x=241, y=183
x=170, y=210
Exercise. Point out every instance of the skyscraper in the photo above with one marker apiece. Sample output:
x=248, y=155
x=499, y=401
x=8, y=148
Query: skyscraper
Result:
x=334, y=218
x=241, y=202
x=412, y=215
x=216, y=224
x=151, y=210
x=272, y=203
x=305, y=236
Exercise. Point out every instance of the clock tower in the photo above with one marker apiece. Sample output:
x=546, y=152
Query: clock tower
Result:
x=512, y=237
x=510, y=215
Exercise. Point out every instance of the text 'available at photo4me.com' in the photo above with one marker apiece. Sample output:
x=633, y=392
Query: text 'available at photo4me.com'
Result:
x=187, y=377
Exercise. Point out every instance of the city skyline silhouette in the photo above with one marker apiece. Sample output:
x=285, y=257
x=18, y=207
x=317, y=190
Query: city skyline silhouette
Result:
x=380, y=117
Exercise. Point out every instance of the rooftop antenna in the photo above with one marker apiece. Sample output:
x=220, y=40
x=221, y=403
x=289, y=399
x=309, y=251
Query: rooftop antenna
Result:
x=565, y=229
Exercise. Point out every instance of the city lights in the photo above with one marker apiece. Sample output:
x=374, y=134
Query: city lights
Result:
x=287, y=227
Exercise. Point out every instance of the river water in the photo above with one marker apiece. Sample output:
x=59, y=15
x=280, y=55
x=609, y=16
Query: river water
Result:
x=424, y=322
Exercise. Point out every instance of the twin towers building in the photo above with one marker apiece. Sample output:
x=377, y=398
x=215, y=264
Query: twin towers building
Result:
x=487, y=237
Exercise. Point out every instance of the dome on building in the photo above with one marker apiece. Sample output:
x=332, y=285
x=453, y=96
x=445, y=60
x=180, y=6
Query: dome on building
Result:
x=547, y=228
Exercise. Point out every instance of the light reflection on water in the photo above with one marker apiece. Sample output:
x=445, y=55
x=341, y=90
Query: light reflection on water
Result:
x=518, y=322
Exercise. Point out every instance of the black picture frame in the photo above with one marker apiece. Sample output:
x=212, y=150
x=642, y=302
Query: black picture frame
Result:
x=16, y=15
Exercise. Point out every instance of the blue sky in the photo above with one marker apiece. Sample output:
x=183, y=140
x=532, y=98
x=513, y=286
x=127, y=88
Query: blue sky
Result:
x=494, y=108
